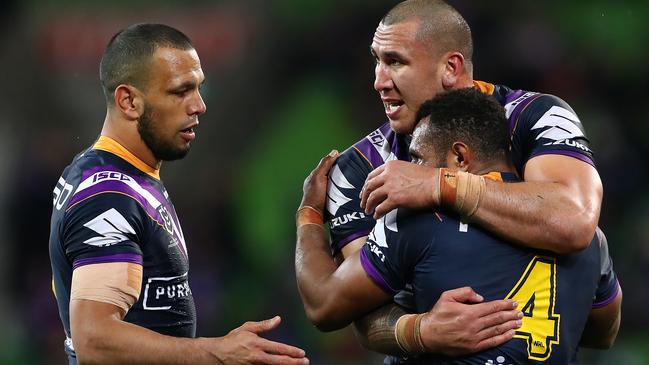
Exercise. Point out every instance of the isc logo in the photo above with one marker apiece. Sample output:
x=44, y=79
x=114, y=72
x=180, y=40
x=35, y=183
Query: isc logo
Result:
x=110, y=175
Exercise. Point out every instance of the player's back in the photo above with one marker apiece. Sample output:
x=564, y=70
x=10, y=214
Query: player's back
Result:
x=436, y=253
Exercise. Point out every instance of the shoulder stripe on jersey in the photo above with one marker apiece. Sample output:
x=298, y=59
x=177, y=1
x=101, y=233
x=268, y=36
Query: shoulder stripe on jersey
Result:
x=120, y=257
x=119, y=182
x=374, y=274
x=515, y=108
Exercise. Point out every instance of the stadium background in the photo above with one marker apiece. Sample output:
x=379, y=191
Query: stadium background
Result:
x=287, y=81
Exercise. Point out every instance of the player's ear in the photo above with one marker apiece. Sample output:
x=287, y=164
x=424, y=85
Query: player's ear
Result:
x=453, y=69
x=129, y=100
x=462, y=156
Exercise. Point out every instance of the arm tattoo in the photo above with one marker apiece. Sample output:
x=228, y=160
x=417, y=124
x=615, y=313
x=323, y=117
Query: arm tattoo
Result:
x=375, y=330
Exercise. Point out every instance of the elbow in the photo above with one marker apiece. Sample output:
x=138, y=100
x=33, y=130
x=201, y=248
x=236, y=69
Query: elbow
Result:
x=85, y=350
x=573, y=235
x=324, y=316
x=87, y=346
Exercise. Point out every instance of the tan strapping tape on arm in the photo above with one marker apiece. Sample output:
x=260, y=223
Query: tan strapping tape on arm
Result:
x=116, y=283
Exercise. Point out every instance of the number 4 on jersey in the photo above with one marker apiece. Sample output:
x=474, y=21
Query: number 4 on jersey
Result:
x=535, y=293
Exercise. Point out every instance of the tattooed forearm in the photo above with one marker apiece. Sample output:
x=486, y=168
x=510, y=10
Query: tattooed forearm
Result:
x=375, y=330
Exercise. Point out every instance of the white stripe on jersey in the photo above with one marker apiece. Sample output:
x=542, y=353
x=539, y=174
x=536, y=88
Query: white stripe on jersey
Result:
x=112, y=227
x=563, y=124
x=381, y=145
x=509, y=107
x=388, y=221
x=335, y=197
x=108, y=175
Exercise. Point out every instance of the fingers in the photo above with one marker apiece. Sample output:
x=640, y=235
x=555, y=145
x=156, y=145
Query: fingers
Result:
x=494, y=341
x=485, y=309
x=372, y=182
x=278, y=348
x=375, y=198
x=463, y=295
x=261, y=326
x=503, y=320
x=268, y=359
x=326, y=162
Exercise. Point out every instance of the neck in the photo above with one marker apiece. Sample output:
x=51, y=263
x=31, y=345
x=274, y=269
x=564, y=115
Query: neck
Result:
x=125, y=133
x=489, y=166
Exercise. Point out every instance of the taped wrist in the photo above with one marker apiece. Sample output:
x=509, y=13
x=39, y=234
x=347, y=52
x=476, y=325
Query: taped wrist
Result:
x=407, y=332
x=308, y=215
x=461, y=191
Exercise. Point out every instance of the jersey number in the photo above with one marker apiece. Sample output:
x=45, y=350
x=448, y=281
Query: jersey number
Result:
x=61, y=194
x=535, y=293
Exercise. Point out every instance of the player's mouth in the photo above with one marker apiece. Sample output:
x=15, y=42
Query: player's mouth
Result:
x=188, y=133
x=392, y=107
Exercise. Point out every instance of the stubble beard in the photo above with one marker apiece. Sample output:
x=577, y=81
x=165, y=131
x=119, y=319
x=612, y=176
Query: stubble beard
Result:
x=162, y=149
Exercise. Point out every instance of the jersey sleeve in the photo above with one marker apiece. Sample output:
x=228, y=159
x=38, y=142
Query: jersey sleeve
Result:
x=608, y=287
x=548, y=125
x=108, y=227
x=347, y=221
x=393, y=250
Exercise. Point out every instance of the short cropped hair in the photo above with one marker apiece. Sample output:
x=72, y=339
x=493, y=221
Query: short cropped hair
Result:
x=126, y=59
x=442, y=27
x=470, y=116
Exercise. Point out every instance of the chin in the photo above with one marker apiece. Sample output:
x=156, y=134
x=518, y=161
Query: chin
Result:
x=401, y=127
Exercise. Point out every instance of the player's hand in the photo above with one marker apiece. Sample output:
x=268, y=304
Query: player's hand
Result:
x=315, y=185
x=460, y=323
x=243, y=346
x=399, y=184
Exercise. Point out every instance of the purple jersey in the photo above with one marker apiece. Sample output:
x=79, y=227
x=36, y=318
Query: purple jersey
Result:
x=538, y=123
x=108, y=210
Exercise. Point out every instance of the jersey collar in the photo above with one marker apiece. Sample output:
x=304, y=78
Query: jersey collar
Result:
x=108, y=144
x=485, y=87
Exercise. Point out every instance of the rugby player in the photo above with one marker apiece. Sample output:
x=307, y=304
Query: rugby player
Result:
x=421, y=48
x=119, y=258
x=462, y=132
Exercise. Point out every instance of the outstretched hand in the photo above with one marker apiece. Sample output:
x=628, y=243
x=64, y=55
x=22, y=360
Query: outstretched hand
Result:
x=244, y=346
x=399, y=184
x=460, y=323
x=315, y=185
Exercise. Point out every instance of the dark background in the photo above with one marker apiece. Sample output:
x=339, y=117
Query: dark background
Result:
x=288, y=81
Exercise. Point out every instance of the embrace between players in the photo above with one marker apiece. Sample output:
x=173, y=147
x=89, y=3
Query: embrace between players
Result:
x=463, y=230
x=482, y=193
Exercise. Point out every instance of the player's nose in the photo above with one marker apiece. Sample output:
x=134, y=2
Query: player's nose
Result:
x=382, y=79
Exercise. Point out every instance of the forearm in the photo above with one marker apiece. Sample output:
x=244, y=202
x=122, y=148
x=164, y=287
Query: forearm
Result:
x=375, y=330
x=113, y=341
x=314, y=267
x=542, y=215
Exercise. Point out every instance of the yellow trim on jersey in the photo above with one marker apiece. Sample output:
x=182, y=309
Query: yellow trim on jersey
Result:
x=494, y=175
x=110, y=145
x=485, y=87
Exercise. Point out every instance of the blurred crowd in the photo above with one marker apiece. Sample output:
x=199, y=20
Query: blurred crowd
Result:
x=287, y=81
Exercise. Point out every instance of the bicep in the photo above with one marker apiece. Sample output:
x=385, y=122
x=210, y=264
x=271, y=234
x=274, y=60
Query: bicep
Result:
x=358, y=291
x=116, y=284
x=565, y=170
